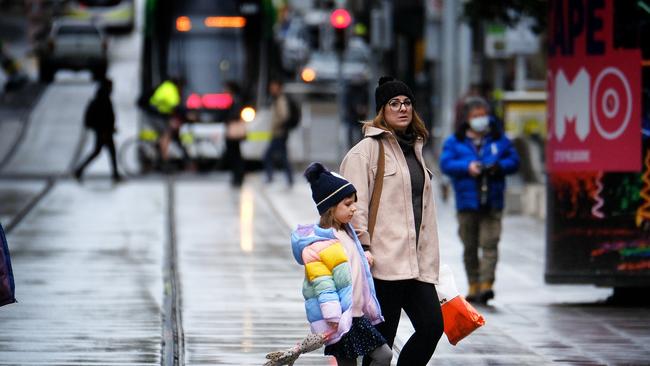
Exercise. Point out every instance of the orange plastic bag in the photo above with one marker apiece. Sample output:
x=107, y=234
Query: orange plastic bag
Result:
x=460, y=318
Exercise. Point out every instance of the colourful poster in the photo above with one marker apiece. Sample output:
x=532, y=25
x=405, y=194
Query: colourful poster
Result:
x=594, y=92
x=598, y=145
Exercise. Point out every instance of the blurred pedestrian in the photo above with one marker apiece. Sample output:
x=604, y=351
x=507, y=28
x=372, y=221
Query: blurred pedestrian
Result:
x=16, y=78
x=356, y=110
x=168, y=115
x=400, y=233
x=477, y=158
x=277, y=148
x=236, y=128
x=340, y=298
x=100, y=118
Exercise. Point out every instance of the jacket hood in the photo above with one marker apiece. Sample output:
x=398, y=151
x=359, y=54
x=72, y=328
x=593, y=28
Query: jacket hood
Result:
x=305, y=235
x=372, y=131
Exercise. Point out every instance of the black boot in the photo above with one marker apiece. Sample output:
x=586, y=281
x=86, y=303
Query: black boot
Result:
x=486, y=293
x=77, y=175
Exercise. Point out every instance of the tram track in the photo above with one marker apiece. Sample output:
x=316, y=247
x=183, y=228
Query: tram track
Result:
x=51, y=179
x=172, y=332
x=172, y=350
x=25, y=121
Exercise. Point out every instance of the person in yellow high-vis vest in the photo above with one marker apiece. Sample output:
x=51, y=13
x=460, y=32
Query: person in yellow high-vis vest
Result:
x=166, y=97
x=166, y=101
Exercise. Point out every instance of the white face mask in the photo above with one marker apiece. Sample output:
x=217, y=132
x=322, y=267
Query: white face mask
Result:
x=479, y=124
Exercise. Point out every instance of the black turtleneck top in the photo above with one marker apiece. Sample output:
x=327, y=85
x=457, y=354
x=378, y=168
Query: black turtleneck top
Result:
x=407, y=142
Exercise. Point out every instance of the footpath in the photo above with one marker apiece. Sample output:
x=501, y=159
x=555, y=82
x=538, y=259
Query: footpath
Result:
x=529, y=322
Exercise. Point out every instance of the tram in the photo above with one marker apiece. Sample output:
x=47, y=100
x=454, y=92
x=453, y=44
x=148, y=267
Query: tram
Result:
x=208, y=43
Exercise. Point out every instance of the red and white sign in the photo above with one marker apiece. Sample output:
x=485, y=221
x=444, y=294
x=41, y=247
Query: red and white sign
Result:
x=594, y=99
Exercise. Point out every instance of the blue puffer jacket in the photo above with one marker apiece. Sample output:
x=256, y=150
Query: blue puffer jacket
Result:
x=459, y=151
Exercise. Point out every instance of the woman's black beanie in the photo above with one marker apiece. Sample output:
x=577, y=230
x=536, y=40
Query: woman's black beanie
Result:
x=388, y=88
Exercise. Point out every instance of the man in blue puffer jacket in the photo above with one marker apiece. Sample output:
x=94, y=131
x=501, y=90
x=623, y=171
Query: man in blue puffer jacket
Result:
x=477, y=158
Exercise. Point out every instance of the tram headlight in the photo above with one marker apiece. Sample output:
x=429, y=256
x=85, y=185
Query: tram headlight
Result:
x=308, y=74
x=248, y=114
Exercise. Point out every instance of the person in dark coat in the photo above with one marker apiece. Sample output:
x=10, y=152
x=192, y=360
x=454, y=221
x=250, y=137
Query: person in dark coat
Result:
x=280, y=114
x=233, y=156
x=100, y=118
x=356, y=110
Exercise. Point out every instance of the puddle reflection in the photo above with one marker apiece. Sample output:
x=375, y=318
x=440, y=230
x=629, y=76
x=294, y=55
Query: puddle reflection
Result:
x=246, y=212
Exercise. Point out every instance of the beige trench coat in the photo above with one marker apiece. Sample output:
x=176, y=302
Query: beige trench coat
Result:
x=397, y=257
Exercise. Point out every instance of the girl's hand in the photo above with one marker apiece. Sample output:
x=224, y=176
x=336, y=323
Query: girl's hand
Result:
x=334, y=325
x=369, y=257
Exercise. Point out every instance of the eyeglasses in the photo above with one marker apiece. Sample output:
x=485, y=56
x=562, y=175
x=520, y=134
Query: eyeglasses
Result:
x=395, y=105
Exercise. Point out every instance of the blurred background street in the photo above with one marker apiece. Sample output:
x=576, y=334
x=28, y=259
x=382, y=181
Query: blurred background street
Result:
x=176, y=264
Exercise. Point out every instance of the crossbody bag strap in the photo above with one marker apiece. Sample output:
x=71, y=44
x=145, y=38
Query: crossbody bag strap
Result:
x=376, y=190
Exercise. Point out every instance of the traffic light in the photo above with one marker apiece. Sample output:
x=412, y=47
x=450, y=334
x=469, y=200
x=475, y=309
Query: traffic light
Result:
x=340, y=20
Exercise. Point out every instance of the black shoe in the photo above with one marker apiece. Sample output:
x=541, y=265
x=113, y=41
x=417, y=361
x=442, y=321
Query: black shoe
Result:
x=117, y=179
x=77, y=175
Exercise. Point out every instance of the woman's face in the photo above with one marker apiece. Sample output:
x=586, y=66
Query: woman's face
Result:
x=398, y=112
x=345, y=210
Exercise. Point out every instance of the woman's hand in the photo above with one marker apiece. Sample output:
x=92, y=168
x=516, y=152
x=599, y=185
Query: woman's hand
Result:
x=369, y=257
x=334, y=325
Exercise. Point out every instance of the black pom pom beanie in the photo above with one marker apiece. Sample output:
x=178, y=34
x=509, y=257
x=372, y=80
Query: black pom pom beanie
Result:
x=388, y=88
x=327, y=188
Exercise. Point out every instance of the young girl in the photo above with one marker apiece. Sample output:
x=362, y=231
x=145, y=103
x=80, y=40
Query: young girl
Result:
x=338, y=289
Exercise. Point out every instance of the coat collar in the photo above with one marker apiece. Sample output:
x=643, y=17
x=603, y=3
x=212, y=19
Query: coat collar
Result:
x=372, y=131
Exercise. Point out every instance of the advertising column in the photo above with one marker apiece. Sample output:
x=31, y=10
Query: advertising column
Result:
x=598, y=183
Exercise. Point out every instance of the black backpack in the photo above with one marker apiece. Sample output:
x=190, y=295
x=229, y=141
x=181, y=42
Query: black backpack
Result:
x=295, y=114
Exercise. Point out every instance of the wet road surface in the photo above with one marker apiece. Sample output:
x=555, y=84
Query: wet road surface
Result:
x=88, y=278
x=92, y=260
x=89, y=263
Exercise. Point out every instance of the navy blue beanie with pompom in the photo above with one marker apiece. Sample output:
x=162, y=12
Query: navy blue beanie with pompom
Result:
x=327, y=188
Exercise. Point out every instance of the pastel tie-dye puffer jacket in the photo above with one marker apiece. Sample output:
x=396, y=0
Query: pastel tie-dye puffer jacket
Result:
x=327, y=287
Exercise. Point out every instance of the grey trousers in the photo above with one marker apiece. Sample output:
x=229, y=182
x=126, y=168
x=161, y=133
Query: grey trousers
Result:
x=480, y=232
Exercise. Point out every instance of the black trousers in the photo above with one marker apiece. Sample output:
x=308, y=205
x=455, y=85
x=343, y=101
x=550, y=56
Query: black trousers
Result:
x=101, y=139
x=234, y=161
x=420, y=302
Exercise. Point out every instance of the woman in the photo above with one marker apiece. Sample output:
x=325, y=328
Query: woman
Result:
x=403, y=250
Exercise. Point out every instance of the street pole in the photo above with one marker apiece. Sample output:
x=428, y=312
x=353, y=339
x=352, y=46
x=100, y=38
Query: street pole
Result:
x=340, y=20
x=448, y=88
x=381, y=40
x=341, y=107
